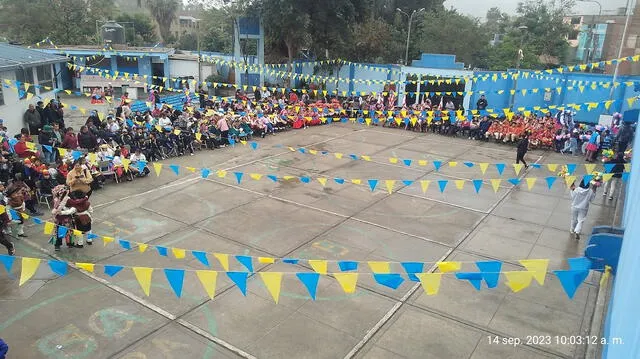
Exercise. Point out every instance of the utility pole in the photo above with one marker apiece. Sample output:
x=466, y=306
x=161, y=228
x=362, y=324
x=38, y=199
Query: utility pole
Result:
x=519, y=58
x=624, y=35
x=406, y=54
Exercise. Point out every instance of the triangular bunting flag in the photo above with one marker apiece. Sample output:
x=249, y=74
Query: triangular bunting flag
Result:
x=518, y=167
x=424, y=185
x=530, y=182
x=347, y=281
x=240, y=279
x=175, y=277
x=446, y=267
x=537, y=268
x=372, y=184
x=310, y=281
x=112, y=270
x=7, y=261
x=143, y=275
x=483, y=167
x=157, y=167
x=175, y=169
x=273, y=282
x=379, y=267
x=490, y=272
x=208, y=280
x=246, y=261
x=389, y=184
x=238, y=176
x=495, y=183
x=477, y=184
x=442, y=184
x=347, y=265
x=430, y=282
x=571, y=280
x=391, y=280
x=318, y=265
x=412, y=268
x=223, y=259
x=473, y=277
x=500, y=167
x=518, y=280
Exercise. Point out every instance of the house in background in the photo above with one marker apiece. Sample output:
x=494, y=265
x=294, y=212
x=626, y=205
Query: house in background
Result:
x=28, y=76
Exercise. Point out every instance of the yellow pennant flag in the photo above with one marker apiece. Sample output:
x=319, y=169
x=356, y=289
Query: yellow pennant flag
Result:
x=313, y=152
x=607, y=177
x=531, y=182
x=89, y=267
x=459, y=184
x=107, y=240
x=338, y=155
x=424, y=185
x=266, y=260
x=422, y=162
x=143, y=275
x=495, y=183
x=198, y=136
x=569, y=180
x=517, y=167
x=126, y=162
x=221, y=173
x=483, y=167
x=255, y=176
x=208, y=280
x=430, y=282
x=379, y=267
x=347, y=281
x=159, y=128
x=157, y=167
x=393, y=159
x=142, y=247
x=453, y=164
x=48, y=227
x=366, y=158
x=273, y=282
x=518, y=281
x=223, y=259
x=537, y=267
x=179, y=253
x=390, y=184
x=29, y=268
x=62, y=151
x=367, y=121
x=77, y=233
x=627, y=167
x=446, y=267
x=552, y=167
x=356, y=181
x=590, y=167
x=323, y=181
x=318, y=265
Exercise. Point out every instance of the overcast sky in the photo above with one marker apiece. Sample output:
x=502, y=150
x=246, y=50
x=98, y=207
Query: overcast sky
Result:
x=478, y=8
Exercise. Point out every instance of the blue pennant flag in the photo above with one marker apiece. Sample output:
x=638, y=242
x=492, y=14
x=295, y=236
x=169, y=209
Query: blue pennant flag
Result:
x=301, y=150
x=353, y=157
x=162, y=251
x=571, y=280
x=37, y=220
x=240, y=279
x=58, y=267
x=407, y=162
x=372, y=184
x=7, y=261
x=62, y=231
x=274, y=178
x=92, y=236
x=391, y=280
x=344, y=120
x=232, y=142
x=474, y=278
x=246, y=261
x=347, y=265
x=490, y=272
x=47, y=148
x=76, y=155
x=175, y=277
x=324, y=153
x=477, y=184
x=141, y=165
x=625, y=176
x=437, y=165
x=411, y=268
x=514, y=181
x=550, y=180
x=536, y=165
x=238, y=176
x=13, y=215
x=290, y=260
x=586, y=179
x=608, y=167
x=469, y=164
x=310, y=281
x=442, y=184
x=305, y=179
x=339, y=180
x=129, y=122
x=125, y=244
x=579, y=263
x=500, y=167
x=202, y=257
x=407, y=182
x=175, y=169
x=571, y=167
x=254, y=145
x=112, y=270
x=205, y=172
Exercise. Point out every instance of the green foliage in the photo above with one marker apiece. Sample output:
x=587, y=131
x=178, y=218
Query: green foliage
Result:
x=376, y=41
x=164, y=12
x=143, y=30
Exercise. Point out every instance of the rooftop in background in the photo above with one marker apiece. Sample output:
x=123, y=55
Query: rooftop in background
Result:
x=13, y=57
x=438, y=61
x=117, y=48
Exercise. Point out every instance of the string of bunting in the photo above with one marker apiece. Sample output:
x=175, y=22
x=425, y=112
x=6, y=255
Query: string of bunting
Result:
x=489, y=273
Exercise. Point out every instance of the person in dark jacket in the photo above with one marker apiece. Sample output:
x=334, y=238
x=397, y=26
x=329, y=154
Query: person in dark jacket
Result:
x=32, y=120
x=87, y=140
x=523, y=147
x=617, y=170
x=46, y=139
x=624, y=137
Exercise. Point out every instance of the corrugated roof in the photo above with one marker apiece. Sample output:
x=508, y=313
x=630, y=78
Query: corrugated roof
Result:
x=12, y=57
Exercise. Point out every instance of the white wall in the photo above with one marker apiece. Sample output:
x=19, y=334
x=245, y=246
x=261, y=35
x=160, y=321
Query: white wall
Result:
x=180, y=68
x=13, y=109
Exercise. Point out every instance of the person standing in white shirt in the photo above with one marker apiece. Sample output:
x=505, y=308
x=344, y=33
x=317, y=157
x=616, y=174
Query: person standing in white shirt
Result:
x=581, y=197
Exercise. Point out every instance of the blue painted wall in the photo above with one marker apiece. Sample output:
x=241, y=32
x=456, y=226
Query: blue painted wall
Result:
x=623, y=320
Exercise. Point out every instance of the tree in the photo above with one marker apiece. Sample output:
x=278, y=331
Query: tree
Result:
x=375, y=41
x=448, y=32
x=143, y=30
x=216, y=31
x=164, y=12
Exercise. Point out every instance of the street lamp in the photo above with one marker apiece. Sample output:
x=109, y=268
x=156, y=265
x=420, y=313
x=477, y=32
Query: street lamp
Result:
x=519, y=57
x=406, y=54
x=628, y=12
x=592, y=45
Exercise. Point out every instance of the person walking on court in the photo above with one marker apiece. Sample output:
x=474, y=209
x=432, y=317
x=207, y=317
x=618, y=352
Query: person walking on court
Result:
x=617, y=170
x=523, y=147
x=581, y=197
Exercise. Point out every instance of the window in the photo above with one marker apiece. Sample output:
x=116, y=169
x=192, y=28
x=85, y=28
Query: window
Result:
x=573, y=35
x=576, y=20
x=25, y=76
x=45, y=77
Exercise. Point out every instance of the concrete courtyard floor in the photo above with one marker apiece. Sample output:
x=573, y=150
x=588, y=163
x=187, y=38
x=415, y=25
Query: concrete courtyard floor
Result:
x=93, y=316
